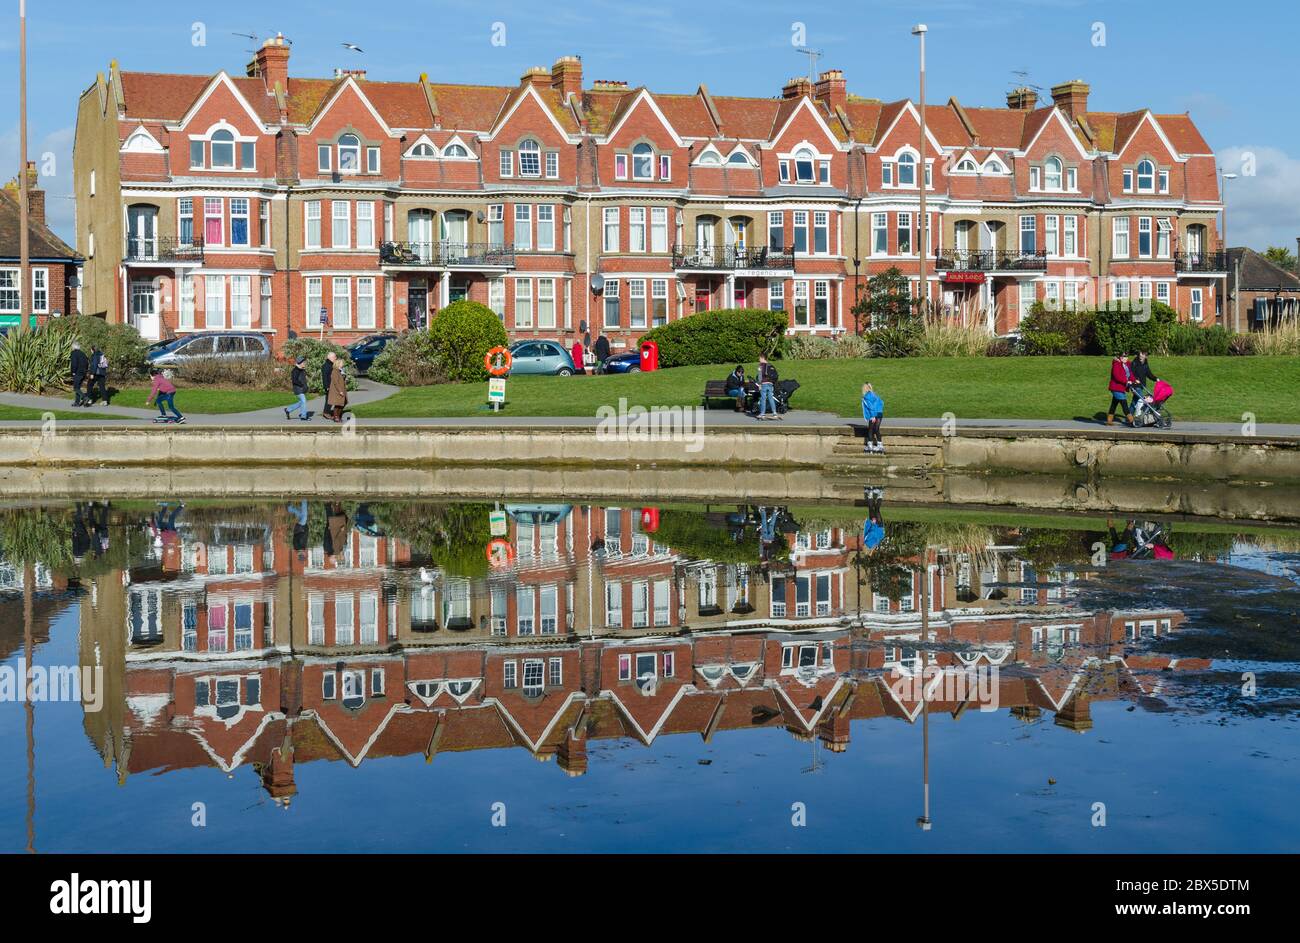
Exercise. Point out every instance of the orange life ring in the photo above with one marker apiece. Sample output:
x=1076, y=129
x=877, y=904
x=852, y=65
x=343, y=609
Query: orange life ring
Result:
x=497, y=361
x=500, y=552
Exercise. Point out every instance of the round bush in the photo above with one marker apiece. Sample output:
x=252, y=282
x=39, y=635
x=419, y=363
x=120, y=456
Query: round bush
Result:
x=408, y=361
x=732, y=335
x=1123, y=328
x=460, y=336
x=316, y=351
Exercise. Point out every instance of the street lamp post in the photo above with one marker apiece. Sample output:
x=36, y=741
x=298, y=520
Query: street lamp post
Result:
x=920, y=30
x=1223, y=236
x=24, y=261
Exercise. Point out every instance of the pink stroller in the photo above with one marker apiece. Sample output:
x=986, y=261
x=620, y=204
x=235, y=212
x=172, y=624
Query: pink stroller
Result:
x=1149, y=408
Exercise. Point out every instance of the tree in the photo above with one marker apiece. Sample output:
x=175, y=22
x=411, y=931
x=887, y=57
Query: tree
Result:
x=888, y=302
x=1281, y=256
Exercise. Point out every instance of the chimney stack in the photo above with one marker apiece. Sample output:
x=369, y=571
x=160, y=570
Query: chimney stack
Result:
x=797, y=87
x=538, y=76
x=566, y=76
x=1072, y=97
x=1022, y=99
x=35, y=195
x=831, y=89
x=271, y=62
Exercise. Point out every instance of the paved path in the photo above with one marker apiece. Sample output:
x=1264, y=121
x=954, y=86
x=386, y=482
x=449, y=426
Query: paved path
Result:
x=369, y=391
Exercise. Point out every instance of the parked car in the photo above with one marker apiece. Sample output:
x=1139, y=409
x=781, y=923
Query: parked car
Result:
x=629, y=361
x=364, y=351
x=547, y=357
x=224, y=345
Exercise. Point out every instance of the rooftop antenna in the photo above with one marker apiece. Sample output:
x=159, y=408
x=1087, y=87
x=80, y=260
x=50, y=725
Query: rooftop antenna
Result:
x=813, y=55
x=1022, y=80
x=252, y=38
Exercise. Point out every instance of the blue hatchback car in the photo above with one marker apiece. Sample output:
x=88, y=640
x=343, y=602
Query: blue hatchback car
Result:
x=629, y=361
x=364, y=351
x=544, y=357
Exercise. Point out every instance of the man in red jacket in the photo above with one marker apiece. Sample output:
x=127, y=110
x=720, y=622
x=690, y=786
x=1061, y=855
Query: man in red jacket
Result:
x=1121, y=378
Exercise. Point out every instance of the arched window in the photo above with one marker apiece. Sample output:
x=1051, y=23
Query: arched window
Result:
x=455, y=150
x=643, y=162
x=1052, y=174
x=530, y=158
x=739, y=157
x=906, y=170
x=223, y=149
x=803, y=165
x=1146, y=176
x=710, y=159
x=423, y=150
x=967, y=166
x=994, y=166
x=349, y=154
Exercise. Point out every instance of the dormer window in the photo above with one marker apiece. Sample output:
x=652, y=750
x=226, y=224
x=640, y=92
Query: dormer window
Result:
x=739, y=158
x=966, y=166
x=223, y=150
x=804, y=160
x=1146, y=176
x=710, y=159
x=455, y=151
x=994, y=166
x=643, y=162
x=349, y=154
x=1052, y=173
x=530, y=159
x=906, y=170
x=424, y=151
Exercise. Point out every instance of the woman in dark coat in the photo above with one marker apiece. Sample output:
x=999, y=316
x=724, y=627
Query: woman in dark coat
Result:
x=1142, y=373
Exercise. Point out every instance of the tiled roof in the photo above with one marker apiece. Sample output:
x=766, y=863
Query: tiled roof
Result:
x=1258, y=273
x=157, y=95
x=41, y=241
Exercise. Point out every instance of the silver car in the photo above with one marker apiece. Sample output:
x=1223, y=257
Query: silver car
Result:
x=222, y=345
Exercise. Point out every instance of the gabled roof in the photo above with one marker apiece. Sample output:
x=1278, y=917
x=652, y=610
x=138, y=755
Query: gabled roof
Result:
x=41, y=241
x=1258, y=273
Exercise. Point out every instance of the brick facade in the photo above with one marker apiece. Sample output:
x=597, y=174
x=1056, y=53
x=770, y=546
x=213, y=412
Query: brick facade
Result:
x=257, y=201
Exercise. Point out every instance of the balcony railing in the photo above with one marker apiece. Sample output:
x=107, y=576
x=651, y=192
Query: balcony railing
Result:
x=991, y=260
x=1201, y=262
x=165, y=251
x=446, y=255
x=730, y=258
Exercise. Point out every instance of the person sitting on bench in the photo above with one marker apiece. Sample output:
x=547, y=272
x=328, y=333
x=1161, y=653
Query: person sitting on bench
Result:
x=735, y=387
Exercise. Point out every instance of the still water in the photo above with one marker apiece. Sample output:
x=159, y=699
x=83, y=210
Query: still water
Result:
x=409, y=676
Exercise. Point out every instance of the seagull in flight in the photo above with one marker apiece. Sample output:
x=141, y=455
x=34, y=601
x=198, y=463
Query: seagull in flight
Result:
x=353, y=46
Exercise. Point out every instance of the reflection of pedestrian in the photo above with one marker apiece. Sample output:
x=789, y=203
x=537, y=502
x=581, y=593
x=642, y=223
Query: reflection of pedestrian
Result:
x=1121, y=543
x=873, y=528
x=80, y=534
x=164, y=525
x=336, y=530
x=99, y=526
x=299, y=512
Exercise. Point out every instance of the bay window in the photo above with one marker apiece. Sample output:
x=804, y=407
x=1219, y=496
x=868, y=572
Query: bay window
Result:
x=776, y=231
x=523, y=227
x=366, y=303
x=496, y=225
x=611, y=229
x=800, y=231
x=880, y=234
x=185, y=222
x=546, y=302
x=214, y=221
x=365, y=225
x=636, y=303
x=636, y=229
x=546, y=228
x=311, y=230
x=241, y=302
x=523, y=302
x=821, y=304
x=1028, y=235
x=315, y=301
x=659, y=229
x=340, y=224
x=821, y=232
x=214, y=302
x=612, y=320
x=1144, y=237
x=239, y=221
x=1119, y=237
x=342, y=303
x=659, y=302
x=801, y=304
x=904, y=233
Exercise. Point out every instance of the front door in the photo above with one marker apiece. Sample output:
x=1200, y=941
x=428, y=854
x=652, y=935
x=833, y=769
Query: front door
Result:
x=703, y=295
x=457, y=289
x=144, y=309
x=417, y=307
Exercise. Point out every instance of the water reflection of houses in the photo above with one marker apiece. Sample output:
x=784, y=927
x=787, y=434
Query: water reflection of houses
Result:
x=246, y=645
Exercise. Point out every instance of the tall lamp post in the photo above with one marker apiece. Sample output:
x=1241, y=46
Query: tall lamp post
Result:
x=919, y=30
x=24, y=262
x=1223, y=193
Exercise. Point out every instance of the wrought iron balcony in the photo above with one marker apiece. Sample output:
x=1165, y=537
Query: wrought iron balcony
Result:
x=467, y=255
x=991, y=260
x=165, y=251
x=730, y=258
x=1201, y=263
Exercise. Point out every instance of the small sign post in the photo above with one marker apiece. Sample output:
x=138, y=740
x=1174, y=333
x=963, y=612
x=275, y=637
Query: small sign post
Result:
x=497, y=393
x=324, y=321
x=497, y=523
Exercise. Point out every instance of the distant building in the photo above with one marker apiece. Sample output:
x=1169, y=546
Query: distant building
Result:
x=1261, y=292
x=55, y=265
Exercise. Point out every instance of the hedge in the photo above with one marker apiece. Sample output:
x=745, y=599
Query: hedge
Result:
x=731, y=335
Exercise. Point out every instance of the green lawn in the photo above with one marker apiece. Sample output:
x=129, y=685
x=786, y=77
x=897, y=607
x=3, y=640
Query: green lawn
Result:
x=8, y=413
x=1206, y=388
x=211, y=400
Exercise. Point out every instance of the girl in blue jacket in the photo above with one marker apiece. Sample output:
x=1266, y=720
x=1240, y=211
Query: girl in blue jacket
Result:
x=873, y=411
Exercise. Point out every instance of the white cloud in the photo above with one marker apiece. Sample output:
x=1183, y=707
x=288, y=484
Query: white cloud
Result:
x=53, y=157
x=1262, y=206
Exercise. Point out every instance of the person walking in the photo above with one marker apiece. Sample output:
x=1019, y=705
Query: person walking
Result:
x=98, y=378
x=1121, y=378
x=602, y=349
x=298, y=377
x=163, y=391
x=336, y=395
x=873, y=411
x=79, y=366
x=767, y=378
x=579, y=363
x=1142, y=375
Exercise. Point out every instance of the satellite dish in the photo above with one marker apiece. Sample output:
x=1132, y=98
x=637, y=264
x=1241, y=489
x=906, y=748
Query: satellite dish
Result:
x=597, y=283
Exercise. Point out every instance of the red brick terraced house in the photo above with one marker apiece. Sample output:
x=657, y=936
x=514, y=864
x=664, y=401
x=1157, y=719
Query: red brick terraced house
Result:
x=55, y=267
x=264, y=201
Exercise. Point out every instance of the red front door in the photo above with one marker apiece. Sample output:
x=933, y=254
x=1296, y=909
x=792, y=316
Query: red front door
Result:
x=703, y=294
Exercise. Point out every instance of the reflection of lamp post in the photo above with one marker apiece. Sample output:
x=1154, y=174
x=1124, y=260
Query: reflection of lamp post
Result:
x=924, y=289
x=924, y=822
x=29, y=577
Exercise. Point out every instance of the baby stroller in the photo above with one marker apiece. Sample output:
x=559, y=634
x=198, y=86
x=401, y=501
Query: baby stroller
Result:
x=1149, y=408
x=782, y=391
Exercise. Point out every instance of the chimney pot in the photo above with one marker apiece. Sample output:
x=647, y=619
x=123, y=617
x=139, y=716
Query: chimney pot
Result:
x=831, y=89
x=797, y=87
x=538, y=76
x=1072, y=97
x=566, y=76
x=1022, y=99
x=271, y=62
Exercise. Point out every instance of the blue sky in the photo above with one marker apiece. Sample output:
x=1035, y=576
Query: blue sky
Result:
x=1234, y=72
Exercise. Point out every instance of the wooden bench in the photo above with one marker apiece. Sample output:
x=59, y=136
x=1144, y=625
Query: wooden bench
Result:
x=716, y=389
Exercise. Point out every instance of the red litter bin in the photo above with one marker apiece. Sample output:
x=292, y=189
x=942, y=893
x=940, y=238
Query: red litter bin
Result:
x=649, y=356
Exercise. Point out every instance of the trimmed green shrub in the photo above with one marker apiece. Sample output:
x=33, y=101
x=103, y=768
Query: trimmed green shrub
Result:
x=1072, y=332
x=1046, y=344
x=121, y=344
x=1125, y=328
x=316, y=351
x=33, y=360
x=732, y=335
x=408, y=361
x=460, y=336
x=1190, y=340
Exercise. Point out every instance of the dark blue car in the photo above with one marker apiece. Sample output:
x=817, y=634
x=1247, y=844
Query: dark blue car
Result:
x=364, y=351
x=629, y=361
